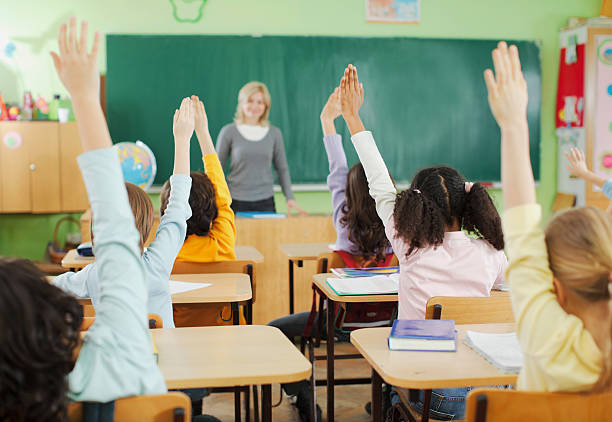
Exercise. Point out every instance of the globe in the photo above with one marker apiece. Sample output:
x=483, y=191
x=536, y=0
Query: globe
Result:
x=137, y=163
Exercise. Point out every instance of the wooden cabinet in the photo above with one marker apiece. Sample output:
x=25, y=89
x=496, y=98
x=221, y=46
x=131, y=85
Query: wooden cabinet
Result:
x=38, y=169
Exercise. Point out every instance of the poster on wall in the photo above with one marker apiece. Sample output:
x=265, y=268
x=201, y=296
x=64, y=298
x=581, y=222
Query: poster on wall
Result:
x=602, y=142
x=393, y=11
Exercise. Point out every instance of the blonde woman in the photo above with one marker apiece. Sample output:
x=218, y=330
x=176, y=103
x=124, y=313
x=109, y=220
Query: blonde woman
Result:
x=254, y=145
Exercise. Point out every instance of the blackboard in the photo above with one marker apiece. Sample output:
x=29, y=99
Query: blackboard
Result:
x=426, y=100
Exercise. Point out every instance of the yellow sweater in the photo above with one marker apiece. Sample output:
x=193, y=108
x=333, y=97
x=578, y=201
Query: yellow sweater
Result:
x=219, y=244
x=559, y=353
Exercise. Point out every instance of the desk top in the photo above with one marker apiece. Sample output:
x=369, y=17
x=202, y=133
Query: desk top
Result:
x=226, y=287
x=320, y=280
x=74, y=260
x=426, y=370
x=304, y=251
x=227, y=356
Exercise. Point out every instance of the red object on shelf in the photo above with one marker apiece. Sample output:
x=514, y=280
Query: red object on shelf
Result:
x=3, y=112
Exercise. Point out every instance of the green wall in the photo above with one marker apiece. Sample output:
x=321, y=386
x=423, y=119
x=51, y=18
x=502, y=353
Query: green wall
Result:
x=33, y=26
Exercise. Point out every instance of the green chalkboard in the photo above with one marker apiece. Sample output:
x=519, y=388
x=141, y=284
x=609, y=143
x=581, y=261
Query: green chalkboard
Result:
x=426, y=100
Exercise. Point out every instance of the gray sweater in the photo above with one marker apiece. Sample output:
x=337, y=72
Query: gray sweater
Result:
x=250, y=176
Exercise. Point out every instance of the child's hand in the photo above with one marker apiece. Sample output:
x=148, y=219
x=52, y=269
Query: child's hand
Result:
x=183, y=122
x=351, y=93
x=201, y=120
x=333, y=107
x=507, y=89
x=76, y=68
x=576, y=162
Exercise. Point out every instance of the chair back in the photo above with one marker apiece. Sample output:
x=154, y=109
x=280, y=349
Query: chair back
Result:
x=238, y=266
x=471, y=310
x=494, y=405
x=155, y=321
x=169, y=407
x=329, y=260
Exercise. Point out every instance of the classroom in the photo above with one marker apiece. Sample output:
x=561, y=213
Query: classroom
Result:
x=396, y=161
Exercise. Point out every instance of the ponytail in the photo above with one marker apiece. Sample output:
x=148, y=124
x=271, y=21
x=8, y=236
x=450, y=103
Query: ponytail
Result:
x=480, y=217
x=418, y=220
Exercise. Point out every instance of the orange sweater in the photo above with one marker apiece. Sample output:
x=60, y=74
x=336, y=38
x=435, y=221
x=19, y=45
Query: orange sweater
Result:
x=219, y=244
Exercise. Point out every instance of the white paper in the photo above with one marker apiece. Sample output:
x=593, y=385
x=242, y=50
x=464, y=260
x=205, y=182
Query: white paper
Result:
x=379, y=284
x=502, y=350
x=185, y=286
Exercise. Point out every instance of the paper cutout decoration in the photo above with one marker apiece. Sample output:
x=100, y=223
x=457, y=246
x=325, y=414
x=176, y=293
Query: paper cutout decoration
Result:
x=13, y=140
x=187, y=11
x=393, y=11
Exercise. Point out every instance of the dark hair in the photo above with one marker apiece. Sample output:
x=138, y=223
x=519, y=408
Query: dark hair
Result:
x=201, y=200
x=365, y=229
x=39, y=331
x=437, y=198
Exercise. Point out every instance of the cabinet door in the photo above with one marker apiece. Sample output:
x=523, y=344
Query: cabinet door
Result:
x=73, y=193
x=14, y=168
x=43, y=147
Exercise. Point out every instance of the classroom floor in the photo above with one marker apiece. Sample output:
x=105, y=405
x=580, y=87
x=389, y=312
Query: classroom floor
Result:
x=350, y=399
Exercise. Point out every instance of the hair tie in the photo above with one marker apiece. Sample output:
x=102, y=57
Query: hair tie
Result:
x=416, y=190
x=468, y=186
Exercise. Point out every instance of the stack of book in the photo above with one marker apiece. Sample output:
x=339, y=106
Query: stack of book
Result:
x=359, y=286
x=427, y=335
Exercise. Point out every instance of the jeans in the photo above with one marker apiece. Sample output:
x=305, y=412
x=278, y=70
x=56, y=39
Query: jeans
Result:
x=253, y=206
x=447, y=404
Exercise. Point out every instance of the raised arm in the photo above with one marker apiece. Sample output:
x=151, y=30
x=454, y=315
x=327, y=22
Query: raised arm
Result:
x=115, y=359
x=381, y=187
x=577, y=167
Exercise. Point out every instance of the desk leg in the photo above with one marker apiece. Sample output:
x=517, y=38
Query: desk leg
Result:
x=426, y=404
x=235, y=313
x=330, y=360
x=376, y=396
x=247, y=403
x=313, y=386
x=249, y=308
x=290, y=287
x=237, y=416
x=266, y=403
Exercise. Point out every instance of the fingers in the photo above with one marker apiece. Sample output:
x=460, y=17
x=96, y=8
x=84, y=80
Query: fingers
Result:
x=498, y=64
x=490, y=81
x=176, y=116
x=56, y=62
x=515, y=62
x=83, y=39
x=355, y=79
x=61, y=40
x=96, y=45
x=361, y=92
x=72, y=35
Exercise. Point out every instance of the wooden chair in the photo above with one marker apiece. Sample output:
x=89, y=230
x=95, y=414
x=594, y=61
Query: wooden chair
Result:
x=244, y=267
x=155, y=321
x=464, y=310
x=169, y=407
x=492, y=405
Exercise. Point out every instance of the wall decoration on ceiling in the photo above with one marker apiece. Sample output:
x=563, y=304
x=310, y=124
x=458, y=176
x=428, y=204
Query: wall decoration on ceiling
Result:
x=187, y=11
x=393, y=11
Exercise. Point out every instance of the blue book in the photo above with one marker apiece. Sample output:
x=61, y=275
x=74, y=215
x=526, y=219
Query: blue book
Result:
x=427, y=335
x=259, y=214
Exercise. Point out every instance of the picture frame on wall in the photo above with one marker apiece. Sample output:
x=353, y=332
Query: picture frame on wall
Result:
x=393, y=11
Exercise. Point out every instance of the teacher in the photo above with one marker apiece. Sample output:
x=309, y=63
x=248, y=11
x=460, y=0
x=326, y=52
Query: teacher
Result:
x=253, y=145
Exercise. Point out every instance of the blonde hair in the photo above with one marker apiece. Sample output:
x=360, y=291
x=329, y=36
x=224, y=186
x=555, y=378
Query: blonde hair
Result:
x=142, y=208
x=579, y=243
x=245, y=93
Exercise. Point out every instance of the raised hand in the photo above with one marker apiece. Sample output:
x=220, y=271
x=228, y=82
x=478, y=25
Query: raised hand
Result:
x=77, y=68
x=200, y=117
x=507, y=88
x=576, y=162
x=351, y=99
x=333, y=106
x=183, y=125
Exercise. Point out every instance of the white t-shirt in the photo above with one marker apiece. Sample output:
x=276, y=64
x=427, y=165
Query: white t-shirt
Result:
x=253, y=132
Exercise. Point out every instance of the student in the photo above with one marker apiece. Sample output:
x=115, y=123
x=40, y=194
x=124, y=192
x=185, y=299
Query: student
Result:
x=39, y=324
x=211, y=232
x=359, y=231
x=560, y=277
x=158, y=258
x=425, y=225
x=578, y=168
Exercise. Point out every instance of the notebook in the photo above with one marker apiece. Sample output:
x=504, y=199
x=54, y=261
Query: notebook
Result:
x=364, y=272
x=428, y=335
x=502, y=350
x=359, y=286
x=259, y=214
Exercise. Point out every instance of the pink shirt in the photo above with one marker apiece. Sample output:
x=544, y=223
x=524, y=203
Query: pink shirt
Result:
x=461, y=266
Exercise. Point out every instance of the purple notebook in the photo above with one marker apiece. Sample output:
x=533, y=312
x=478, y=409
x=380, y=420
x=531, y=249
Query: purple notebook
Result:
x=423, y=335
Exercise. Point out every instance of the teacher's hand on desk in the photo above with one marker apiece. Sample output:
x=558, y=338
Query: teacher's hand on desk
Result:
x=292, y=205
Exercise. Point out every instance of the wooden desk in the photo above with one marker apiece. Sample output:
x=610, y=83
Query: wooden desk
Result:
x=74, y=262
x=323, y=289
x=298, y=253
x=229, y=356
x=427, y=370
